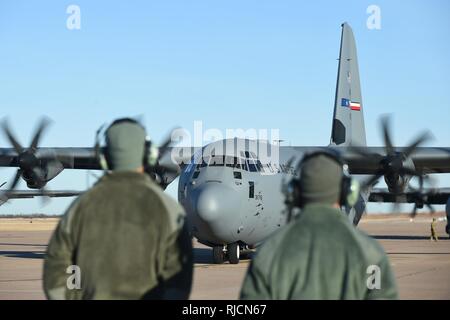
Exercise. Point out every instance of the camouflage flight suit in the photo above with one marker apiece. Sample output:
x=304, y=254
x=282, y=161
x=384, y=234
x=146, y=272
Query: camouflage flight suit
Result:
x=129, y=240
x=320, y=255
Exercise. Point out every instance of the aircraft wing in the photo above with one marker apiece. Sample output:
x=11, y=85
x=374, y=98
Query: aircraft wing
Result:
x=432, y=196
x=70, y=158
x=85, y=158
x=6, y=195
x=425, y=159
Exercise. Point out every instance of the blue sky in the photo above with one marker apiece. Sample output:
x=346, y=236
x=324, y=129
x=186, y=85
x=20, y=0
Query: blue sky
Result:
x=231, y=64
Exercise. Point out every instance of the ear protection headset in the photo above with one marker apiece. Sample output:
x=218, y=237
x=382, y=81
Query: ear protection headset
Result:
x=151, y=152
x=349, y=188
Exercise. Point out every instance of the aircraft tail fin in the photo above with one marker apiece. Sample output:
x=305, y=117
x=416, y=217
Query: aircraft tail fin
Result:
x=348, y=120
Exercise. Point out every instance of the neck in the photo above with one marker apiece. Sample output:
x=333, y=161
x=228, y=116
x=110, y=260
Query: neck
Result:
x=336, y=205
x=140, y=169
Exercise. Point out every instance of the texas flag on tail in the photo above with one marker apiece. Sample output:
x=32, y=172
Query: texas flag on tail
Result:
x=351, y=104
x=355, y=106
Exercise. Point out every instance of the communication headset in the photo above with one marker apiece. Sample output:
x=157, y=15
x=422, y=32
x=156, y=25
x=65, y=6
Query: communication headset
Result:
x=151, y=152
x=349, y=189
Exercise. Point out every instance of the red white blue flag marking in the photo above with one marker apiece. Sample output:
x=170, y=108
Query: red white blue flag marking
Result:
x=351, y=104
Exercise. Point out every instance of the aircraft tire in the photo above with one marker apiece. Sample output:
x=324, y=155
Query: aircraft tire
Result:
x=233, y=253
x=218, y=255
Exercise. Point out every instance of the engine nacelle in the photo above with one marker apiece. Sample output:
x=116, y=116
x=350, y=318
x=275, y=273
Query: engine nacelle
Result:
x=397, y=182
x=39, y=176
x=33, y=182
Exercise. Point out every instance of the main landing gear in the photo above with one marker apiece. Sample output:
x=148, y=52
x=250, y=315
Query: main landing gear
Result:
x=232, y=253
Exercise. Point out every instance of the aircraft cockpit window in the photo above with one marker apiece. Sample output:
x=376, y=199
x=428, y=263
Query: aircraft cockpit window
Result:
x=259, y=166
x=244, y=165
x=252, y=166
x=217, y=161
x=232, y=162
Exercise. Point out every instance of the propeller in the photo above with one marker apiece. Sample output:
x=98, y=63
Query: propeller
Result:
x=392, y=164
x=421, y=198
x=160, y=169
x=30, y=166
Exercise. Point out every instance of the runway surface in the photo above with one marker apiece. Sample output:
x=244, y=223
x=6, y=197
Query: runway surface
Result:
x=422, y=267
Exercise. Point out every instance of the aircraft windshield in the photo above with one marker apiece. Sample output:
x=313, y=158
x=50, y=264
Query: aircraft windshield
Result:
x=251, y=165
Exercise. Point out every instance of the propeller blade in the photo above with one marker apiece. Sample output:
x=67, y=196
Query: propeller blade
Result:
x=409, y=172
x=159, y=169
x=16, y=179
x=421, y=182
x=414, y=212
x=421, y=139
x=166, y=143
x=396, y=207
x=371, y=180
x=16, y=145
x=44, y=199
x=96, y=176
x=386, y=135
x=38, y=133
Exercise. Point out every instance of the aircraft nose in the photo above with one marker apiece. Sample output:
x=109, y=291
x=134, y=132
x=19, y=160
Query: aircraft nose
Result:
x=214, y=201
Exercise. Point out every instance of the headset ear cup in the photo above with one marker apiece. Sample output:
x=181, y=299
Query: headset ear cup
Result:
x=296, y=196
x=98, y=152
x=153, y=154
x=345, y=187
x=291, y=193
x=353, y=192
x=102, y=161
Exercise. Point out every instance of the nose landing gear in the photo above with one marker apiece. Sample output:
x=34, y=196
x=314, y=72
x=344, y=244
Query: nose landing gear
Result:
x=232, y=253
x=218, y=255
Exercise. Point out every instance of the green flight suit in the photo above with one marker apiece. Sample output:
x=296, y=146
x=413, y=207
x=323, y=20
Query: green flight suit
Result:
x=129, y=240
x=320, y=255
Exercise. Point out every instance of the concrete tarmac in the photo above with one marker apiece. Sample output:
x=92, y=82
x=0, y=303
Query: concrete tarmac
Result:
x=421, y=266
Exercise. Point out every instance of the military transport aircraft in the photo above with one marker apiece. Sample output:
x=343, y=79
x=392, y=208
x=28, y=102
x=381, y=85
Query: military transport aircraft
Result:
x=234, y=198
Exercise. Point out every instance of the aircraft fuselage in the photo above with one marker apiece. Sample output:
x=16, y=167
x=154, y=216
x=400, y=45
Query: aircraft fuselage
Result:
x=233, y=197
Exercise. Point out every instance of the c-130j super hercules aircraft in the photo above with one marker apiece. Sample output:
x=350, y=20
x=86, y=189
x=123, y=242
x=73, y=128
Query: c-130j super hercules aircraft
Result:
x=233, y=198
